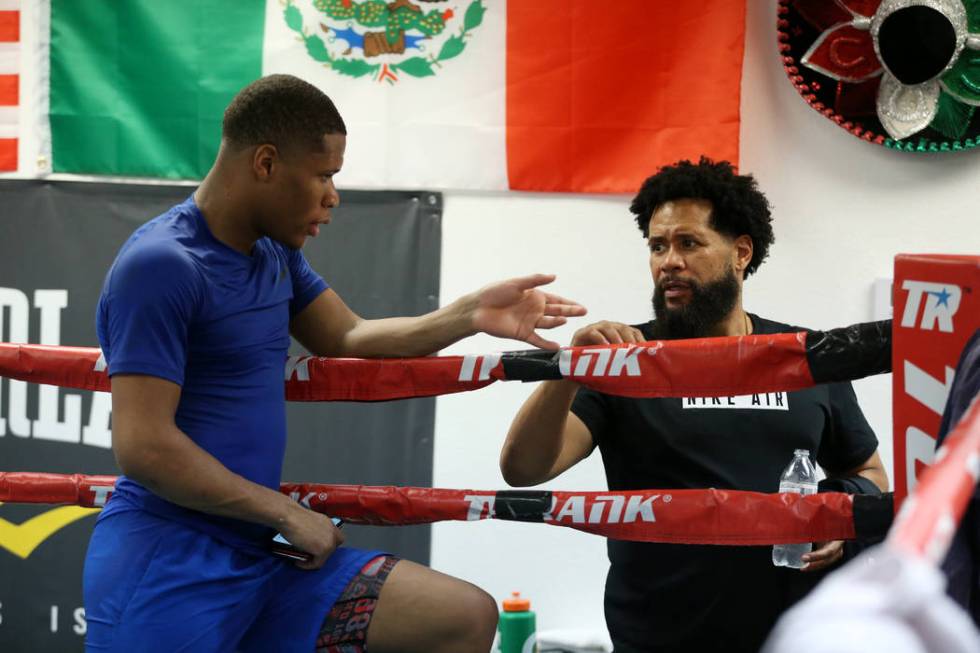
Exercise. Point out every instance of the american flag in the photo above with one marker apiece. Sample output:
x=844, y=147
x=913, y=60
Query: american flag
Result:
x=10, y=57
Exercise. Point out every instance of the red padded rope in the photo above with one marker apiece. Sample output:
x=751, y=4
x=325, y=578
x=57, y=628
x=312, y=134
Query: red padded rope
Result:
x=702, y=367
x=678, y=516
x=930, y=515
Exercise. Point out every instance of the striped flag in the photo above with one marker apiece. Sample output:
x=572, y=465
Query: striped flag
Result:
x=542, y=95
x=9, y=83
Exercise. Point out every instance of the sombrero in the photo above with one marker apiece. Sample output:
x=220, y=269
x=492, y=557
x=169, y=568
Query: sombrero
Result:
x=901, y=73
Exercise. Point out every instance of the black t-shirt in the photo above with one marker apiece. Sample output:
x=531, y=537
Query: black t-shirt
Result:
x=660, y=596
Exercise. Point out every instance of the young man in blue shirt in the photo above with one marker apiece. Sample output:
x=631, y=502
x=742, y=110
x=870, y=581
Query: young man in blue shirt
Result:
x=194, y=320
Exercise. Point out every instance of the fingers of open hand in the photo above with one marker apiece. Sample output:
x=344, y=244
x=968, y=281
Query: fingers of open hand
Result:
x=823, y=555
x=532, y=281
x=548, y=322
x=555, y=305
x=606, y=333
x=535, y=340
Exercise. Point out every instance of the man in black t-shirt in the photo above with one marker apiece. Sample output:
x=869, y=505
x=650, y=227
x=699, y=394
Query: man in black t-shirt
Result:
x=707, y=228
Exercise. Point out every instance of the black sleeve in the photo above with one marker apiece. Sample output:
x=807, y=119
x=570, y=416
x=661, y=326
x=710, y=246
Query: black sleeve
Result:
x=593, y=409
x=966, y=386
x=847, y=439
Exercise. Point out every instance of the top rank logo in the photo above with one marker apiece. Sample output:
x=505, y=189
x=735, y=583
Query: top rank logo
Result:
x=608, y=361
x=939, y=303
x=382, y=40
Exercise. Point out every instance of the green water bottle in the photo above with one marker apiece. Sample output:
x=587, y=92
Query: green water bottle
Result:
x=516, y=626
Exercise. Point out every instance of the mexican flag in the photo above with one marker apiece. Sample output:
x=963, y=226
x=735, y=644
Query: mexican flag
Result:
x=540, y=95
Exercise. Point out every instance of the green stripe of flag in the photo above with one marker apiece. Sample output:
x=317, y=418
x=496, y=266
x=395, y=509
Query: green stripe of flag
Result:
x=138, y=87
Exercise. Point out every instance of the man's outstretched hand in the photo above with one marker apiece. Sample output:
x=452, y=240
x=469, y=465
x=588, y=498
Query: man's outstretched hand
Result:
x=515, y=308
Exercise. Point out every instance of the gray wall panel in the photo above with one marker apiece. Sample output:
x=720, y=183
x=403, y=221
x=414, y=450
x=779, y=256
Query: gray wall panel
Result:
x=381, y=254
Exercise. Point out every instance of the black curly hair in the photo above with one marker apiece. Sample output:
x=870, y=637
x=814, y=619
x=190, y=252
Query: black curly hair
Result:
x=737, y=205
x=282, y=110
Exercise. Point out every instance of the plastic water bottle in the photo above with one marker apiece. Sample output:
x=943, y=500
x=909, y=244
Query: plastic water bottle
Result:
x=516, y=627
x=800, y=477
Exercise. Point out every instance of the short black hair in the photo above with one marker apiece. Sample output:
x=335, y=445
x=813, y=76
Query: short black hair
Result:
x=737, y=205
x=282, y=110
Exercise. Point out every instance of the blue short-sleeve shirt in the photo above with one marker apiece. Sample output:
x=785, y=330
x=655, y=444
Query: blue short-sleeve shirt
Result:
x=178, y=304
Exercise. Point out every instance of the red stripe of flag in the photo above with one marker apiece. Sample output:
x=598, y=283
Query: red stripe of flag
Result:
x=9, y=26
x=9, y=94
x=8, y=154
x=601, y=94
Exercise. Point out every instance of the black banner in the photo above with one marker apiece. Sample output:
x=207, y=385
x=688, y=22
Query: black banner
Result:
x=381, y=253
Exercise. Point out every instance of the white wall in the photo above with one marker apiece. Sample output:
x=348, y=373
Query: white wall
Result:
x=843, y=209
x=599, y=256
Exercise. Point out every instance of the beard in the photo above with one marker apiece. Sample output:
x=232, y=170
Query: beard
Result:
x=710, y=303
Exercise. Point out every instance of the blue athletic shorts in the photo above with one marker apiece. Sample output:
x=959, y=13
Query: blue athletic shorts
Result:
x=152, y=584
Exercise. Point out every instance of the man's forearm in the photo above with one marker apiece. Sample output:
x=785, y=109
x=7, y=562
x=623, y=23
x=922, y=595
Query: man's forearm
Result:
x=411, y=336
x=178, y=470
x=535, y=441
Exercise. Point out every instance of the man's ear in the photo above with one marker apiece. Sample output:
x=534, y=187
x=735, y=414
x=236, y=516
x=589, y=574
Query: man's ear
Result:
x=265, y=160
x=743, y=252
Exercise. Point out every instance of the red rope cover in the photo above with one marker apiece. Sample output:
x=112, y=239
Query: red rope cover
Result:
x=734, y=365
x=677, y=516
x=930, y=515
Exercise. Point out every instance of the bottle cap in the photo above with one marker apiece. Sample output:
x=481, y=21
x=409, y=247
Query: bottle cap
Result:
x=802, y=452
x=516, y=604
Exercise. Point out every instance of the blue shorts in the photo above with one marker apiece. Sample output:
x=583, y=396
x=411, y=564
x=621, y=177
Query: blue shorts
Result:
x=152, y=584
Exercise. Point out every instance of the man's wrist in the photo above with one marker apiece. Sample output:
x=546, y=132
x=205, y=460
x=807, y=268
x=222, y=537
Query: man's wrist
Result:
x=461, y=316
x=284, y=512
